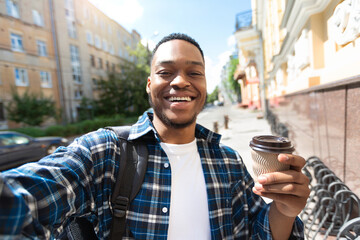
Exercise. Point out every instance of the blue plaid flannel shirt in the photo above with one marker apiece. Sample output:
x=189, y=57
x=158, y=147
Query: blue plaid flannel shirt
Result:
x=38, y=200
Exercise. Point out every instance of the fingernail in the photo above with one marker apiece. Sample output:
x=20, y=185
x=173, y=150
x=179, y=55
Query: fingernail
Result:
x=262, y=179
x=255, y=191
x=258, y=186
x=285, y=157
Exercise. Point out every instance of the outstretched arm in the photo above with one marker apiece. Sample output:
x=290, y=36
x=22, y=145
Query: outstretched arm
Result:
x=289, y=191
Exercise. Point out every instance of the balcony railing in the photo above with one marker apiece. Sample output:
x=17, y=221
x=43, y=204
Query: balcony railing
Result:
x=243, y=20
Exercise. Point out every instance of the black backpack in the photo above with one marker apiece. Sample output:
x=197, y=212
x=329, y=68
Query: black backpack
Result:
x=130, y=176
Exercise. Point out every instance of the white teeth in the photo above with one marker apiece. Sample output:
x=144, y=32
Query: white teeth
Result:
x=173, y=99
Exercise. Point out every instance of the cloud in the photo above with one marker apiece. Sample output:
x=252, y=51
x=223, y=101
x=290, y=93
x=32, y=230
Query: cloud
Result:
x=231, y=41
x=125, y=12
x=213, y=69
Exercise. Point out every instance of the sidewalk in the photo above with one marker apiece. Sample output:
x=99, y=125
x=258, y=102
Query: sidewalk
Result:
x=243, y=125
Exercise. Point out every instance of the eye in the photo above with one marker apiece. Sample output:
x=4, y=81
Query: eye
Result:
x=164, y=73
x=195, y=74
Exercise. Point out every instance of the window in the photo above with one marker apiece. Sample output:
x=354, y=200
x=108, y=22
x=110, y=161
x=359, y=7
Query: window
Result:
x=95, y=20
x=71, y=28
x=107, y=66
x=74, y=53
x=38, y=19
x=86, y=13
x=78, y=94
x=120, y=52
x=2, y=114
x=75, y=64
x=45, y=79
x=21, y=77
x=105, y=46
x=113, y=67
x=97, y=41
x=16, y=42
x=95, y=83
x=12, y=9
x=69, y=9
x=89, y=38
x=92, y=60
x=111, y=49
x=76, y=72
x=109, y=29
x=100, y=63
x=41, y=47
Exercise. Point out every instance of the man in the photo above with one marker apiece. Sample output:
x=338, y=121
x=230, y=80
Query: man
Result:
x=194, y=188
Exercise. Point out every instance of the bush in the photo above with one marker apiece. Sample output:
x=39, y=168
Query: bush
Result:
x=77, y=128
x=31, y=131
x=56, y=130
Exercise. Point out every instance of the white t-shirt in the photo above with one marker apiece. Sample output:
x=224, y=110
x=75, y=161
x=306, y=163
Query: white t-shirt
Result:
x=189, y=212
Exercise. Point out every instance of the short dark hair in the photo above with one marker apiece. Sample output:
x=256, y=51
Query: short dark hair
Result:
x=178, y=36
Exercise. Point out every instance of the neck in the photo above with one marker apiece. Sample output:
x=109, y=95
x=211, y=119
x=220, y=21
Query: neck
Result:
x=174, y=135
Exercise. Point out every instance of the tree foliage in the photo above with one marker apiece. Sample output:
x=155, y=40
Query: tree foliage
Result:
x=125, y=92
x=234, y=85
x=29, y=108
x=213, y=96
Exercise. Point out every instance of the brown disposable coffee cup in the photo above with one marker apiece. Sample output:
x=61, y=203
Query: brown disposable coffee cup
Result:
x=265, y=151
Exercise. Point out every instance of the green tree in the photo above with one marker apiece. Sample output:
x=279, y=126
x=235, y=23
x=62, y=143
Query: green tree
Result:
x=234, y=85
x=213, y=96
x=125, y=92
x=86, y=109
x=29, y=108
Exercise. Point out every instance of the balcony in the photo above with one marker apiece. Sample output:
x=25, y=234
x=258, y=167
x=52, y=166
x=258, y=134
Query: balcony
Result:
x=243, y=20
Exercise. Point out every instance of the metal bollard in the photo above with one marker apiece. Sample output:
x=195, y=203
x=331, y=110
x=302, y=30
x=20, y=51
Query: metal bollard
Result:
x=216, y=127
x=226, y=121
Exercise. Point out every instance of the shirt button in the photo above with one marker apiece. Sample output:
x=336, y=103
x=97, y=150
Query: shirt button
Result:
x=164, y=209
x=166, y=165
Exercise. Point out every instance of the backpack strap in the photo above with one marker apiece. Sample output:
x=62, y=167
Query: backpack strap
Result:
x=131, y=173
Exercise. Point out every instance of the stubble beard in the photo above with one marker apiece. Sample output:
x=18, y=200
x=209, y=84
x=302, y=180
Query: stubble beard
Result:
x=164, y=119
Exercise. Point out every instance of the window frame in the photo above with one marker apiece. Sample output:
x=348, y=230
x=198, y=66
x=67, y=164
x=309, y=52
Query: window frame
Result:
x=16, y=42
x=75, y=64
x=12, y=8
x=42, y=48
x=89, y=38
x=38, y=18
x=45, y=78
x=21, y=77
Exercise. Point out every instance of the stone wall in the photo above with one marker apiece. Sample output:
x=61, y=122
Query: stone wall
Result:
x=325, y=121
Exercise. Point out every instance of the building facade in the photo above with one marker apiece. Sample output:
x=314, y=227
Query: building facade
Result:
x=90, y=46
x=311, y=76
x=27, y=56
x=60, y=49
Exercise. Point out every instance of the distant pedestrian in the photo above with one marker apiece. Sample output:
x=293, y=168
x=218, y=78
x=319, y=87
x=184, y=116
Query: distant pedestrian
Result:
x=194, y=187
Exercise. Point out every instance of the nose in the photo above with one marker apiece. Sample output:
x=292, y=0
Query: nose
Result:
x=180, y=81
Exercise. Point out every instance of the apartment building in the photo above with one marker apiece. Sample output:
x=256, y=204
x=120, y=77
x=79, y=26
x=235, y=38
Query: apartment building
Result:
x=307, y=61
x=90, y=46
x=27, y=56
x=58, y=48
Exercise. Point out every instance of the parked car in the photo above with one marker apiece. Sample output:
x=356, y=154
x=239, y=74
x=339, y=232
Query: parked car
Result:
x=17, y=148
x=218, y=103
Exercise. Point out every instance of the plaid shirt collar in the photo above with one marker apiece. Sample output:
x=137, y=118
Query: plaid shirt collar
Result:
x=144, y=126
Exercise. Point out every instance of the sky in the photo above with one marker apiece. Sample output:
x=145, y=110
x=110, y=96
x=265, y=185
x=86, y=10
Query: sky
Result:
x=210, y=22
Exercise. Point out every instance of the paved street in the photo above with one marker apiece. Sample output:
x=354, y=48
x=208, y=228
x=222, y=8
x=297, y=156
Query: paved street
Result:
x=243, y=125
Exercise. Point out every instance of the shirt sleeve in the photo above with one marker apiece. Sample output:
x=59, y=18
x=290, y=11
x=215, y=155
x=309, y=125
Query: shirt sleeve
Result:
x=38, y=199
x=253, y=216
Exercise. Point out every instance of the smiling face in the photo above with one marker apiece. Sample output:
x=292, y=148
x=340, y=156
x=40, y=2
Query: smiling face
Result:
x=177, y=84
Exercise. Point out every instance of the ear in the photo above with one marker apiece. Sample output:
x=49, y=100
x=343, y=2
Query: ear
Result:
x=148, y=84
